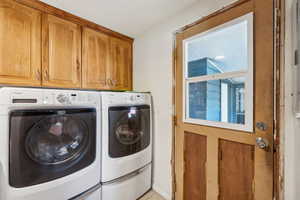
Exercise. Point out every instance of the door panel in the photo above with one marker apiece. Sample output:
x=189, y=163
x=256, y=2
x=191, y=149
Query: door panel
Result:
x=195, y=164
x=236, y=167
x=236, y=170
x=95, y=60
x=20, y=41
x=61, y=53
x=120, y=64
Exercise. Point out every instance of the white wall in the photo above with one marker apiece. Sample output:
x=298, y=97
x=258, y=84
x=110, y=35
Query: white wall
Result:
x=153, y=72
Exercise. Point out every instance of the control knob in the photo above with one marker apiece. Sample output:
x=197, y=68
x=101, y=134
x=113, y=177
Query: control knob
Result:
x=63, y=99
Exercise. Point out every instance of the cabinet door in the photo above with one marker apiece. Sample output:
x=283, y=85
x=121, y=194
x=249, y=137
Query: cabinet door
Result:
x=61, y=53
x=95, y=59
x=121, y=64
x=20, y=44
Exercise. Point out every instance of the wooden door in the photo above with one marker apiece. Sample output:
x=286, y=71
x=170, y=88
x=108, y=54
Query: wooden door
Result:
x=120, y=64
x=224, y=126
x=95, y=59
x=61, y=51
x=20, y=44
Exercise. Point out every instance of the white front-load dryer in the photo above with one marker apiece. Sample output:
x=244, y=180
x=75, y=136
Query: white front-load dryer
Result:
x=50, y=144
x=126, y=144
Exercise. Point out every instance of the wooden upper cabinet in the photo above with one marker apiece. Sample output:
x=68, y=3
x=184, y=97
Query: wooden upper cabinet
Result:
x=120, y=64
x=95, y=59
x=20, y=44
x=40, y=49
x=61, y=53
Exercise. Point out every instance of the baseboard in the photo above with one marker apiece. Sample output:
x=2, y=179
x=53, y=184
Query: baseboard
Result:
x=162, y=193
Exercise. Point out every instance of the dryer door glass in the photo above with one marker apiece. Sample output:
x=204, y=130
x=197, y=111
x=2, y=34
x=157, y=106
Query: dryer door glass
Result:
x=57, y=139
x=129, y=130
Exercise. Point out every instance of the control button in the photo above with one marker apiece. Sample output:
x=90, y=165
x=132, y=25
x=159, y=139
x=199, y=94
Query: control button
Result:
x=48, y=99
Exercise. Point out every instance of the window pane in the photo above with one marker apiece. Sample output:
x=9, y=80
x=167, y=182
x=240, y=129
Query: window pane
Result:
x=218, y=51
x=218, y=100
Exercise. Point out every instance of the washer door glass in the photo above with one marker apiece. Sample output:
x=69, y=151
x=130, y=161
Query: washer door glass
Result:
x=57, y=139
x=129, y=128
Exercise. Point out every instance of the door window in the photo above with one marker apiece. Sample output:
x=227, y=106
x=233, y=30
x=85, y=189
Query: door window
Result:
x=218, y=77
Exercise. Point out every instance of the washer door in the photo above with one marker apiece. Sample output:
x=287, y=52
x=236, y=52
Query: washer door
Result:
x=129, y=130
x=50, y=144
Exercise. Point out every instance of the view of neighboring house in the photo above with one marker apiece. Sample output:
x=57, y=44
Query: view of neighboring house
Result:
x=215, y=100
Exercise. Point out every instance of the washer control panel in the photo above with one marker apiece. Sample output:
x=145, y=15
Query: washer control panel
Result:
x=71, y=98
x=37, y=96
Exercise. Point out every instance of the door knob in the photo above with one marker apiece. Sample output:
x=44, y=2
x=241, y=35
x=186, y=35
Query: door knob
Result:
x=262, y=143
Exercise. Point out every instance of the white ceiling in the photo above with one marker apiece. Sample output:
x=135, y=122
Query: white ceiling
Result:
x=130, y=17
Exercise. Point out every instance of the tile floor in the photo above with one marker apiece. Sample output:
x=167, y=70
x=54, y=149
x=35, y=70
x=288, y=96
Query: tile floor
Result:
x=152, y=196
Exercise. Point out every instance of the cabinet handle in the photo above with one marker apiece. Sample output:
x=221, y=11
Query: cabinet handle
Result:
x=106, y=82
x=38, y=75
x=77, y=65
x=46, y=75
x=110, y=82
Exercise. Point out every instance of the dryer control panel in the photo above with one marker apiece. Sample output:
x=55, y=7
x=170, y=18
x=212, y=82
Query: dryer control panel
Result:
x=114, y=98
x=71, y=98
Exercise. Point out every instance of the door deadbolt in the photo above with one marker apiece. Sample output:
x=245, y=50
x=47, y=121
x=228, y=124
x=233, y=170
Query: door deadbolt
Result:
x=262, y=126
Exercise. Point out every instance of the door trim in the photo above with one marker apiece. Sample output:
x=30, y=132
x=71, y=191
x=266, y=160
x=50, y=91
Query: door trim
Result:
x=279, y=15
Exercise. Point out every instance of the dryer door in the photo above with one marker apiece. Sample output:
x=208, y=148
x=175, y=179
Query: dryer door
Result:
x=129, y=130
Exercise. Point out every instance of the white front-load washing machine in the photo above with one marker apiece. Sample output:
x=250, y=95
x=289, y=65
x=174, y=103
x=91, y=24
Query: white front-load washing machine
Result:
x=126, y=145
x=50, y=144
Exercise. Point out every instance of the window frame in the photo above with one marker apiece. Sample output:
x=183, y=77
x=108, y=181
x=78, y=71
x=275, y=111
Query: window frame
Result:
x=247, y=74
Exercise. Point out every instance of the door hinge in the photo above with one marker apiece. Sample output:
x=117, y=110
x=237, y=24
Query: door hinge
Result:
x=175, y=120
x=253, y=187
x=175, y=185
x=296, y=57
